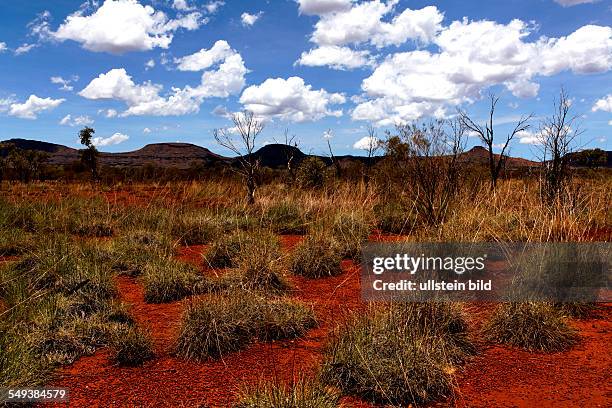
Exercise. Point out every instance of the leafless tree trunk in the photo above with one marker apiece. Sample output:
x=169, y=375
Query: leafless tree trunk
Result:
x=487, y=137
x=372, y=147
x=241, y=141
x=290, y=144
x=557, y=135
x=332, y=157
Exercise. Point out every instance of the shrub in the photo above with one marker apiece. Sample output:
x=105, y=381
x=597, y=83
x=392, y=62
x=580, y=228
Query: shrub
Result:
x=392, y=217
x=302, y=394
x=132, y=252
x=319, y=255
x=397, y=354
x=169, y=280
x=285, y=218
x=214, y=327
x=350, y=230
x=131, y=346
x=311, y=173
x=532, y=326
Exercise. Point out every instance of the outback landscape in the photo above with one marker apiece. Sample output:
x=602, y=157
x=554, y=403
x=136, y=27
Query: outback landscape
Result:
x=198, y=199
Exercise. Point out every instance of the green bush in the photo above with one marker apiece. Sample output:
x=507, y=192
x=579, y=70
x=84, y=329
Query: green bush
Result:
x=311, y=173
x=531, y=326
x=397, y=354
x=318, y=256
x=214, y=327
x=225, y=252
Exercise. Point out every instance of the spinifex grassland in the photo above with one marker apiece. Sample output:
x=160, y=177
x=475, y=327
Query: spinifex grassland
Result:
x=179, y=294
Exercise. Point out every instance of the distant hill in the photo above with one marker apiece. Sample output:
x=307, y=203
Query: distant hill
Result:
x=182, y=155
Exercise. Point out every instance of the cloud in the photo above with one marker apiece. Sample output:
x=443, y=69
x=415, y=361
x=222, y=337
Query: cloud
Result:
x=472, y=56
x=65, y=83
x=108, y=113
x=610, y=123
x=25, y=48
x=146, y=130
x=366, y=143
x=570, y=3
x=249, y=19
x=120, y=26
x=150, y=64
x=603, y=104
x=526, y=137
x=84, y=120
x=363, y=23
x=204, y=58
x=321, y=7
x=32, y=106
x=182, y=5
x=5, y=103
x=213, y=6
x=145, y=99
x=335, y=57
x=291, y=100
x=3, y=47
x=111, y=140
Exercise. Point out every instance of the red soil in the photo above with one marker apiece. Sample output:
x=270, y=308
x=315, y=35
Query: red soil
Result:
x=499, y=376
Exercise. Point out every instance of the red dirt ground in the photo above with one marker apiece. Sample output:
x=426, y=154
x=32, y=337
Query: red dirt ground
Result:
x=499, y=376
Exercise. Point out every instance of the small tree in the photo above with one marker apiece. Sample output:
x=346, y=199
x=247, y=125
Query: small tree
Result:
x=428, y=158
x=246, y=127
x=556, y=138
x=328, y=136
x=89, y=155
x=487, y=136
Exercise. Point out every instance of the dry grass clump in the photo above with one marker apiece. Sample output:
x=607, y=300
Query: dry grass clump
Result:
x=260, y=267
x=304, y=393
x=398, y=354
x=131, y=346
x=226, y=251
x=351, y=230
x=214, y=327
x=130, y=253
x=285, y=217
x=533, y=326
x=319, y=255
x=15, y=241
x=394, y=218
x=195, y=228
x=167, y=280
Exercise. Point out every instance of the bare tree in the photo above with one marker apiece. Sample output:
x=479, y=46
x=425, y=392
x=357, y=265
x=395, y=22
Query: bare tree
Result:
x=428, y=156
x=241, y=140
x=373, y=145
x=290, y=146
x=556, y=138
x=328, y=135
x=487, y=136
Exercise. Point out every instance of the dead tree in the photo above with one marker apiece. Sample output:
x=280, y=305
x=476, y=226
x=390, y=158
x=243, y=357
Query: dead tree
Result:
x=290, y=146
x=556, y=138
x=328, y=136
x=241, y=141
x=371, y=148
x=487, y=136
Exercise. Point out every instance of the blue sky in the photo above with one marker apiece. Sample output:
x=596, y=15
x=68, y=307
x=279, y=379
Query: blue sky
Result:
x=170, y=70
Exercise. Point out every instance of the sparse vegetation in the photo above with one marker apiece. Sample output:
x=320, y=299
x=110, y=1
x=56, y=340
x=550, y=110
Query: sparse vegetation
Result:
x=131, y=346
x=304, y=393
x=166, y=280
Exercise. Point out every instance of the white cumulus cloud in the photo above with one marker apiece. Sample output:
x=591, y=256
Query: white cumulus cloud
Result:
x=603, y=104
x=111, y=140
x=366, y=143
x=82, y=120
x=333, y=56
x=291, y=100
x=3, y=47
x=320, y=7
x=65, y=83
x=32, y=106
x=205, y=58
x=120, y=26
x=250, y=19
